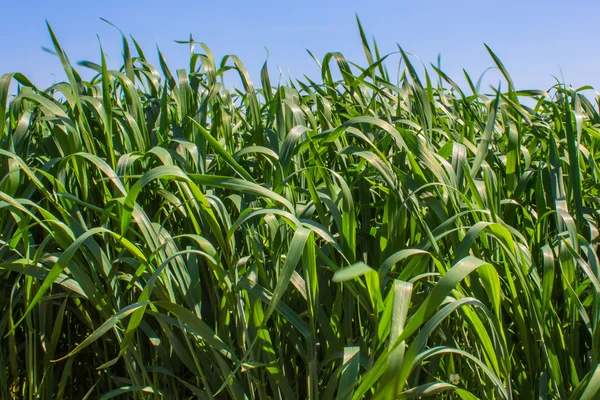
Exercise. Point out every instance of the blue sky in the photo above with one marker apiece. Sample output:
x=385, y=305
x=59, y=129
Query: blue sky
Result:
x=535, y=39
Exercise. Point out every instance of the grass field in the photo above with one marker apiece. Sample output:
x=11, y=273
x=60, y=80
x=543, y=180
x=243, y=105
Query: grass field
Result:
x=372, y=236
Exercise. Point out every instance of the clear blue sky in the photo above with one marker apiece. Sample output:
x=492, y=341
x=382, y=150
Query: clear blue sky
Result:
x=534, y=38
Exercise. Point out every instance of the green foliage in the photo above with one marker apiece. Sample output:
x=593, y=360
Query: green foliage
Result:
x=164, y=237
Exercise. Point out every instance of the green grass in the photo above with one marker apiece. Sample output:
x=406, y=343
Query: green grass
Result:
x=164, y=237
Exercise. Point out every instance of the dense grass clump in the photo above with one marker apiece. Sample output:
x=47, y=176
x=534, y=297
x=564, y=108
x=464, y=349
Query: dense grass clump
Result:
x=164, y=237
